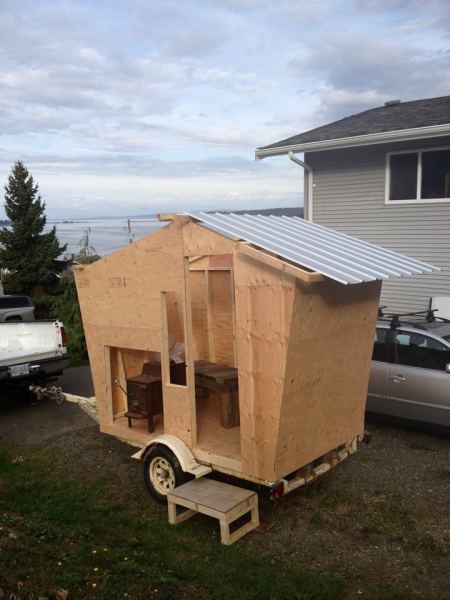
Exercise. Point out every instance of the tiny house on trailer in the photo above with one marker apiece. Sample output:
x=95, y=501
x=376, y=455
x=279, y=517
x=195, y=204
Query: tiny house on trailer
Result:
x=235, y=343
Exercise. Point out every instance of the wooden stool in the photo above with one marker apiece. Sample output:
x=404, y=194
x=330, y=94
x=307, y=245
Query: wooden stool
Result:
x=215, y=499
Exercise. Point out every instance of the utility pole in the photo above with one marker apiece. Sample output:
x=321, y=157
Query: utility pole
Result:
x=130, y=235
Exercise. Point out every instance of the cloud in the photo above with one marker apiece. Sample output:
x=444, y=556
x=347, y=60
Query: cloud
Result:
x=352, y=72
x=174, y=96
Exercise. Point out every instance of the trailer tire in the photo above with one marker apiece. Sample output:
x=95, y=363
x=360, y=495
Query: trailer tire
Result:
x=162, y=472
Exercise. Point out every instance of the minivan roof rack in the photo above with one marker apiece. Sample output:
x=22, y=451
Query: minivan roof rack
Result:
x=396, y=319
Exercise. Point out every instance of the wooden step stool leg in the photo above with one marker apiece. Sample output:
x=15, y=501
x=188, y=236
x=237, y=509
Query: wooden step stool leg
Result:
x=174, y=517
x=228, y=537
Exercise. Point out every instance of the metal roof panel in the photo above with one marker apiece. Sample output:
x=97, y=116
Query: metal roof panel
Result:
x=336, y=255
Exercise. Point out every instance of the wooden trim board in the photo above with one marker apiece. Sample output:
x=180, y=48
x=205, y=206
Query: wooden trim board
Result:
x=279, y=264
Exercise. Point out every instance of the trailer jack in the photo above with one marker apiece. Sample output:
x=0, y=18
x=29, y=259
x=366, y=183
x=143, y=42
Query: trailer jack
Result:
x=54, y=393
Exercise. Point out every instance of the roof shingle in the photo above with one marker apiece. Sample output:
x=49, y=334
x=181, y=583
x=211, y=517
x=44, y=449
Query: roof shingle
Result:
x=395, y=117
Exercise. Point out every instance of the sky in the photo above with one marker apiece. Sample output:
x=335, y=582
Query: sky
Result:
x=132, y=107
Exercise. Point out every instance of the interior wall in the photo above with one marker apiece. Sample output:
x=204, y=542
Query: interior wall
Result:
x=327, y=370
x=119, y=401
x=213, y=316
x=199, y=303
x=125, y=363
x=222, y=316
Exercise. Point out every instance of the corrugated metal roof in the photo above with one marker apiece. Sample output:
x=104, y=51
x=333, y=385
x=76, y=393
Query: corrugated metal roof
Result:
x=336, y=255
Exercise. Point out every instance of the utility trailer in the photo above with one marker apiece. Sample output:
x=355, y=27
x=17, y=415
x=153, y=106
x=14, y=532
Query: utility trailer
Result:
x=235, y=343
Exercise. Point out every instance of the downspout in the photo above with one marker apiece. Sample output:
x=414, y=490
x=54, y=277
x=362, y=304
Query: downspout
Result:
x=309, y=176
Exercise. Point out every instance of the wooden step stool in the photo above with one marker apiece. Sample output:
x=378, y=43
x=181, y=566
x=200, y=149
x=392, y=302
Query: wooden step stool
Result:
x=215, y=499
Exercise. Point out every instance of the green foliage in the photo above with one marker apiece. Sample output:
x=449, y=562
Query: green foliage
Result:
x=66, y=307
x=31, y=256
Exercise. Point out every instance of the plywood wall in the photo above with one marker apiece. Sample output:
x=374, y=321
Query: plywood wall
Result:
x=327, y=370
x=120, y=298
x=199, y=241
x=264, y=300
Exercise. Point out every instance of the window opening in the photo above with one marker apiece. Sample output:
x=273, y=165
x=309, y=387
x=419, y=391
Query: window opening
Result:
x=175, y=342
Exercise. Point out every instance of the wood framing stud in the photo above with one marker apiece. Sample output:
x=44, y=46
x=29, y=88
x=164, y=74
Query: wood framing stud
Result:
x=281, y=265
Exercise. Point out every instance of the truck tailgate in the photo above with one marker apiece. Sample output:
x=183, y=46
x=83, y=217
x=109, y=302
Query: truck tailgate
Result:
x=28, y=341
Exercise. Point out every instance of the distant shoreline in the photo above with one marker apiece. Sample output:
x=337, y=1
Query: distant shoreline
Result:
x=278, y=211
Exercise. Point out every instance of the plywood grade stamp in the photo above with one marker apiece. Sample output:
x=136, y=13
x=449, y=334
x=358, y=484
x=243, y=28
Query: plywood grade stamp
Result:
x=225, y=502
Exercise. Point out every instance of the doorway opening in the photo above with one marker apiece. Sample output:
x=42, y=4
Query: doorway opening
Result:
x=216, y=376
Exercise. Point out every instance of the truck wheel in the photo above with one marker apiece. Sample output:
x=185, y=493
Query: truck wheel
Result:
x=162, y=473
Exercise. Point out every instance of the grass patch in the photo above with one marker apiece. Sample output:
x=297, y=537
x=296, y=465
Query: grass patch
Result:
x=57, y=532
x=389, y=517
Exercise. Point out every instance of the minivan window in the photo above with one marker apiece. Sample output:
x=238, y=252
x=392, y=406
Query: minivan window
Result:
x=382, y=345
x=419, y=350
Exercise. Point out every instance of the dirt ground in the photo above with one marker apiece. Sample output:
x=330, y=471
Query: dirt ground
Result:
x=382, y=516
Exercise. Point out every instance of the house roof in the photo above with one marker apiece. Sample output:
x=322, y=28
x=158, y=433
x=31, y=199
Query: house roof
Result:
x=338, y=256
x=430, y=115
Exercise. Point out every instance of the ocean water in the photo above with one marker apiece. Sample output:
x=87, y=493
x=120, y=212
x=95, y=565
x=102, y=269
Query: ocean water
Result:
x=105, y=235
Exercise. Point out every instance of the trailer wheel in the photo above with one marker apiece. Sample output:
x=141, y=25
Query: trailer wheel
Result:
x=162, y=472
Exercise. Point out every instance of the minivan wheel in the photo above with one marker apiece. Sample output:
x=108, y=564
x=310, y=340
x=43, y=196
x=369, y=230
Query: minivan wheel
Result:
x=162, y=473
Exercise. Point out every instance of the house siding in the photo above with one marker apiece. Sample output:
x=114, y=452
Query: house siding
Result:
x=349, y=196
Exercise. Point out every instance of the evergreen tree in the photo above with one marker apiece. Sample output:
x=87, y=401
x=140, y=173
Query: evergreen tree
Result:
x=65, y=307
x=30, y=256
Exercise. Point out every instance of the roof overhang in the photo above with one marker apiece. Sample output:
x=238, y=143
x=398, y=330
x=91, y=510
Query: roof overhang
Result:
x=309, y=251
x=369, y=139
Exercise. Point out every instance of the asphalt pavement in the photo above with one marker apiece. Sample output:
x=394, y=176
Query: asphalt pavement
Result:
x=25, y=420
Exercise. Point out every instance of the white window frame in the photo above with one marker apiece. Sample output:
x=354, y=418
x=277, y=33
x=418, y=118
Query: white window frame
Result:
x=417, y=199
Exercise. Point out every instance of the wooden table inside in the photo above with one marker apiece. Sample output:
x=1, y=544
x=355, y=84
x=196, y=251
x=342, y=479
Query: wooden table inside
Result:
x=222, y=380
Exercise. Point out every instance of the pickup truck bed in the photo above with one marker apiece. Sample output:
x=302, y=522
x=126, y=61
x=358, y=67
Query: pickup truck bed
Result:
x=31, y=352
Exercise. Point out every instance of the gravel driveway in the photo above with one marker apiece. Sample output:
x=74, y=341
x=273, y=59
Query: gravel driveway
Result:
x=382, y=516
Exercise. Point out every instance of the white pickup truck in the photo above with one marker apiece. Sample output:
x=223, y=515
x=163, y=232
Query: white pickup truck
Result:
x=32, y=352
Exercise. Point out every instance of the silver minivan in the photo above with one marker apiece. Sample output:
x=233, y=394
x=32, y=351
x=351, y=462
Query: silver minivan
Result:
x=410, y=374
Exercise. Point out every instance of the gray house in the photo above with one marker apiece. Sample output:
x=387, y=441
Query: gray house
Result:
x=383, y=175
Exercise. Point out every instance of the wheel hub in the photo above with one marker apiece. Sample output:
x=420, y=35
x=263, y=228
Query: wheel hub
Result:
x=162, y=475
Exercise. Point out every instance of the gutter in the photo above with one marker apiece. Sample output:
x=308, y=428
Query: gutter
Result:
x=309, y=171
x=358, y=140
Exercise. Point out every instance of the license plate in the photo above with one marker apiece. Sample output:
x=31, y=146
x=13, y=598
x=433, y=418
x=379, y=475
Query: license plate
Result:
x=19, y=370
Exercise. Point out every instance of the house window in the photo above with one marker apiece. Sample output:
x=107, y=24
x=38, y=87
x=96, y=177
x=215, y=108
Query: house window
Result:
x=419, y=175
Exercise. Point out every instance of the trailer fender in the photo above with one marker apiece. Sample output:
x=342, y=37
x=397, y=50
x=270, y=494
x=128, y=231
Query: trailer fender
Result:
x=184, y=455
